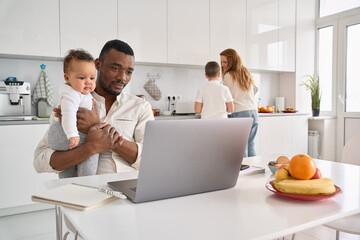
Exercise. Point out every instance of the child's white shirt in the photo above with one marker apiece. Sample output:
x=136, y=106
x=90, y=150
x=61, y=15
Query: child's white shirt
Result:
x=70, y=101
x=214, y=97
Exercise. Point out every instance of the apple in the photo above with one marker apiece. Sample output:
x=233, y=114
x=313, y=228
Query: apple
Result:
x=282, y=173
x=317, y=174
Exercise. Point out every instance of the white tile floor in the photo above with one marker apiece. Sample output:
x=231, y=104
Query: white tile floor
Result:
x=40, y=225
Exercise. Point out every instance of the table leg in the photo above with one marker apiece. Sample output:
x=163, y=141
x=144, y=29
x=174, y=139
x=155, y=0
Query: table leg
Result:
x=58, y=219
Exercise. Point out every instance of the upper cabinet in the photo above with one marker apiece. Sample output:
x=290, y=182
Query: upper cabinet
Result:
x=227, y=27
x=160, y=31
x=271, y=35
x=287, y=10
x=87, y=24
x=188, y=32
x=27, y=29
x=143, y=24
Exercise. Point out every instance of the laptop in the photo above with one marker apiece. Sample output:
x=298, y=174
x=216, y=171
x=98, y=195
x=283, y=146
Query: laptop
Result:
x=185, y=157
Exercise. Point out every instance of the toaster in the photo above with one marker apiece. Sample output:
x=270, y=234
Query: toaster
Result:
x=184, y=107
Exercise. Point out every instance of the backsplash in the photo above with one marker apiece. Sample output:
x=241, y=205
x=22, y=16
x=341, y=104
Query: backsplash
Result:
x=174, y=80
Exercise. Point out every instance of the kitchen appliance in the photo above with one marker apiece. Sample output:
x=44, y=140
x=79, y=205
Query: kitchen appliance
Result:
x=184, y=107
x=15, y=100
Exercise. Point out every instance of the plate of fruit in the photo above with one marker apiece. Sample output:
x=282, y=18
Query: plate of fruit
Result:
x=289, y=110
x=302, y=180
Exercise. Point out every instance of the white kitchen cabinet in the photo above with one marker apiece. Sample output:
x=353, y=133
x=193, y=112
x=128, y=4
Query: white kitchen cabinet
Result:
x=282, y=135
x=18, y=178
x=227, y=27
x=271, y=35
x=143, y=24
x=287, y=29
x=87, y=24
x=188, y=32
x=27, y=29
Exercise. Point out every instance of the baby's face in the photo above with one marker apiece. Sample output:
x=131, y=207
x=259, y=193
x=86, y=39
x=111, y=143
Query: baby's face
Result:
x=81, y=76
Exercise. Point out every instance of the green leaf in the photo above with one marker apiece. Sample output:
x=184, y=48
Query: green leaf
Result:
x=312, y=84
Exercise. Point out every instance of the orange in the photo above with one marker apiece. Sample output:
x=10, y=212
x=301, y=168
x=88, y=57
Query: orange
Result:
x=302, y=166
x=262, y=109
x=270, y=109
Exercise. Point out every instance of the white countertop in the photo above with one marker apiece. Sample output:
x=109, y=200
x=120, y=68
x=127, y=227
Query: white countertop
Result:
x=192, y=116
x=247, y=211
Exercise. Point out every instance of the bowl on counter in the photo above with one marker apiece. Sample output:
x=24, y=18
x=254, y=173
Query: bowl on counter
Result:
x=273, y=168
x=166, y=113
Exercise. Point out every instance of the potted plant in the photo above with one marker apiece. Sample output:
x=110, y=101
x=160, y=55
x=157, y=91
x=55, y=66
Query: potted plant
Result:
x=312, y=84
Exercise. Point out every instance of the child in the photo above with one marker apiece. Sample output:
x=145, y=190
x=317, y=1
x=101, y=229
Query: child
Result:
x=79, y=74
x=213, y=100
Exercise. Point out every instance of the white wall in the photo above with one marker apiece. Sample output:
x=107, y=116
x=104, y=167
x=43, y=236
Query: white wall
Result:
x=174, y=80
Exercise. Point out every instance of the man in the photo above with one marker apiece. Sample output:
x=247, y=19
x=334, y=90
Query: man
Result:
x=115, y=129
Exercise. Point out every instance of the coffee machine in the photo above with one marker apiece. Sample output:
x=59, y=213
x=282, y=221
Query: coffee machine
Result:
x=15, y=100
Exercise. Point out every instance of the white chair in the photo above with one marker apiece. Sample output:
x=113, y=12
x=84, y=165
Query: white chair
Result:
x=351, y=155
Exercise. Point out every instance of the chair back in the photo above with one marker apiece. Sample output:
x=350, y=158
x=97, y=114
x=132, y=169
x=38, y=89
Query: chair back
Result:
x=351, y=151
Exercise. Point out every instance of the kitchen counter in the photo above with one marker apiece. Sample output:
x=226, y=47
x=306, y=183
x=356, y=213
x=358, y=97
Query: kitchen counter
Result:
x=172, y=117
x=26, y=122
x=197, y=116
x=282, y=114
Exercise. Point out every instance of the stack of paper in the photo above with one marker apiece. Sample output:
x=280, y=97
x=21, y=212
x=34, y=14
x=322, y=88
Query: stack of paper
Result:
x=74, y=196
x=251, y=171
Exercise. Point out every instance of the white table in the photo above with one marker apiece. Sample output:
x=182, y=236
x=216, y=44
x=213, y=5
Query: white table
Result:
x=247, y=211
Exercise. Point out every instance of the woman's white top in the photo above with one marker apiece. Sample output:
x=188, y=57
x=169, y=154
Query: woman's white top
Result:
x=242, y=100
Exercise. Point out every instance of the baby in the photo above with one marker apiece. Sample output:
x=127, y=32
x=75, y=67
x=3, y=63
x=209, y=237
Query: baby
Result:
x=79, y=75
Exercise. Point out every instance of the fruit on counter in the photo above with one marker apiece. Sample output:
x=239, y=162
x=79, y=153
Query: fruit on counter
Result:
x=317, y=174
x=289, y=109
x=319, y=187
x=302, y=167
x=268, y=109
x=282, y=173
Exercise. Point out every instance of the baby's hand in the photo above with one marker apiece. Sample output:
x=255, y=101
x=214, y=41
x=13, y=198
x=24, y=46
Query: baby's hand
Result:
x=74, y=141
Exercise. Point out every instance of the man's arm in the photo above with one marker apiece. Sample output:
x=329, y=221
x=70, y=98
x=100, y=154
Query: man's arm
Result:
x=100, y=138
x=126, y=149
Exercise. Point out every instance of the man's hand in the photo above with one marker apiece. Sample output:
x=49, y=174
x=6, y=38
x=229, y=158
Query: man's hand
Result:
x=85, y=119
x=57, y=112
x=101, y=137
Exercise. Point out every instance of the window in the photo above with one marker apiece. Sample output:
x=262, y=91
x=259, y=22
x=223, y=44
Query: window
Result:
x=325, y=66
x=328, y=7
x=352, y=103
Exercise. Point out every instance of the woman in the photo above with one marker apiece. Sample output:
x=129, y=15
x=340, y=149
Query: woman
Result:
x=238, y=79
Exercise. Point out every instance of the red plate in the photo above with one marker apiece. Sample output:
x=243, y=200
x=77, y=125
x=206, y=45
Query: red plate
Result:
x=271, y=187
x=288, y=111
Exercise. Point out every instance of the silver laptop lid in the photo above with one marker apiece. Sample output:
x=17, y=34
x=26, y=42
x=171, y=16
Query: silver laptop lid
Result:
x=183, y=157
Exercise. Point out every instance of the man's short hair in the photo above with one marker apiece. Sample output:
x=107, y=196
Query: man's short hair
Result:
x=118, y=45
x=77, y=54
x=212, y=69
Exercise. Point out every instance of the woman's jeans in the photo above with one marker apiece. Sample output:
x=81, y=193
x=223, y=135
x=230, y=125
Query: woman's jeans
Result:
x=250, y=149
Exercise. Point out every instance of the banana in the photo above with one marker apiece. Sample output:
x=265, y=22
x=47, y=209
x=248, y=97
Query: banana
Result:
x=322, y=186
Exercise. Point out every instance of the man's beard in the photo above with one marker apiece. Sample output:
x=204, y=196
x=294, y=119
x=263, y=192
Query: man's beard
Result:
x=108, y=88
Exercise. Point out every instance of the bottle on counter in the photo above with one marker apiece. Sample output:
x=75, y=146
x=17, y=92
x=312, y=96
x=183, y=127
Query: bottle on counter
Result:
x=43, y=110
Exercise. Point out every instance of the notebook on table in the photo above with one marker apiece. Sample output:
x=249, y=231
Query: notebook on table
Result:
x=184, y=157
